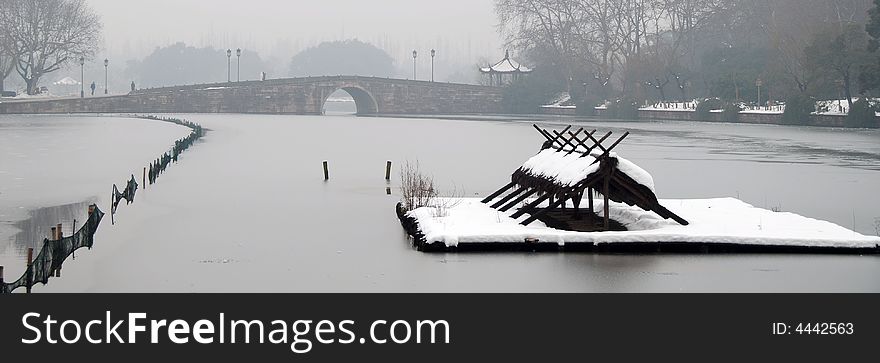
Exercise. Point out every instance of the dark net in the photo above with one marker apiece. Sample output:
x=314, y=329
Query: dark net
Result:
x=53, y=254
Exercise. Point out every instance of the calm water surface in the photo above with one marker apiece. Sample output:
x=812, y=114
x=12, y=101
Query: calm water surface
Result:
x=247, y=209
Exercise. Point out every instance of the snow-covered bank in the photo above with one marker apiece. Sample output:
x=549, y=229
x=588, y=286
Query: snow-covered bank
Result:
x=722, y=221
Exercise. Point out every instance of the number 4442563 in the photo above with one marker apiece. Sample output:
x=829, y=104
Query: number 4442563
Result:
x=813, y=329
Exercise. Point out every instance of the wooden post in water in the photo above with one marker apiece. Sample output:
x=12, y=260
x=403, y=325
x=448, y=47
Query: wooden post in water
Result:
x=1, y=277
x=59, y=235
x=144, y=180
x=388, y=170
x=326, y=171
x=605, y=198
x=29, y=272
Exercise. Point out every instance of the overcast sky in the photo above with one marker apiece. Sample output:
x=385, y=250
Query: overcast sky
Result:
x=465, y=28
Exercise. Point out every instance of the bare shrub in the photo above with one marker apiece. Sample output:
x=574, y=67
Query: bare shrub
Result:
x=416, y=188
x=447, y=201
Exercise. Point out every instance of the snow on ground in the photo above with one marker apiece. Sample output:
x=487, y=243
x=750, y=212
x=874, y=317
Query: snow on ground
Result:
x=562, y=100
x=569, y=169
x=720, y=220
x=670, y=106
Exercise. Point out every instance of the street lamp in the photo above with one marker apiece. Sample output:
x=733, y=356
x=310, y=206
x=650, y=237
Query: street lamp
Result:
x=415, y=54
x=229, y=65
x=106, y=63
x=82, y=77
x=238, y=72
x=432, y=64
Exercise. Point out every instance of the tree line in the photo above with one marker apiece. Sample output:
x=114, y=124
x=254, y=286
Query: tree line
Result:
x=681, y=50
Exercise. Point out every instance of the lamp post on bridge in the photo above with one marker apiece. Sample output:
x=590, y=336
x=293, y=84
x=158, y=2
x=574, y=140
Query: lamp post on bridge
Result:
x=229, y=65
x=432, y=64
x=238, y=71
x=82, y=77
x=415, y=54
x=106, y=63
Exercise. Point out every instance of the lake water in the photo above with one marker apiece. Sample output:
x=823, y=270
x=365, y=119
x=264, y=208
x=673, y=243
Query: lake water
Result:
x=247, y=208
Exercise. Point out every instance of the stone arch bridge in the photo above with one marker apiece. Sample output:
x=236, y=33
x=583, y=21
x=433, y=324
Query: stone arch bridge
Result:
x=305, y=95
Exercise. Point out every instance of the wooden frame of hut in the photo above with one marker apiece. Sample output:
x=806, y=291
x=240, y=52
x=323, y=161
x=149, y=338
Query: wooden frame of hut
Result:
x=569, y=165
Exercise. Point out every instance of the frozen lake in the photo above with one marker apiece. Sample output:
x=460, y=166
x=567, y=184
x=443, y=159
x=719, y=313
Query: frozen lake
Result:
x=247, y=208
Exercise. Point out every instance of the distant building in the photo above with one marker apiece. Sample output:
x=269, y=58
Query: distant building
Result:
x=504, y=72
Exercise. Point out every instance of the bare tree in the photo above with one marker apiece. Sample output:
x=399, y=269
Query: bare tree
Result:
x=43, y=35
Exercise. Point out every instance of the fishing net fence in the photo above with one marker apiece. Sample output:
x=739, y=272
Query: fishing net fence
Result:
x=48, y=261
x=157, y=166
x=55, y=251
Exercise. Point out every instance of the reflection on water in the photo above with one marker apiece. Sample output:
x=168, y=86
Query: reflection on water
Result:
x=36, y=227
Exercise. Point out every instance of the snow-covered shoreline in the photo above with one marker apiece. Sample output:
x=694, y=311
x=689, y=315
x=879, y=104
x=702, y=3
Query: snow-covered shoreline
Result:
x=462, y=221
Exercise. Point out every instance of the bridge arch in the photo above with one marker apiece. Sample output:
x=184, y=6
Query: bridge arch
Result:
x=364, y=101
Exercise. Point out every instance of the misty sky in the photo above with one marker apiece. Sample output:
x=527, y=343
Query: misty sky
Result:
x=277, y=28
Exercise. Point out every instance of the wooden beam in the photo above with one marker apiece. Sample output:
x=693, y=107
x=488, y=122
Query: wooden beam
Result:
x=616, y=142
x=508, y=197
x=518, y=200
x=590, y=196
x=632, y=190
x=543, y=133
x=597, y=143
x=498, y=192
x=605, y=196
x=580, y=142
x=556, y=139
x=525, y=209
x=567, y=140
x=535, y=216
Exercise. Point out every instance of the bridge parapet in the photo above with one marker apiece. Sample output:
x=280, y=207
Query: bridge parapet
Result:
x=305, y=95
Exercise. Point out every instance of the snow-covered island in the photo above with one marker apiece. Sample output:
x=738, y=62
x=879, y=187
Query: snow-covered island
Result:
x=727, y=224
x=543, y=208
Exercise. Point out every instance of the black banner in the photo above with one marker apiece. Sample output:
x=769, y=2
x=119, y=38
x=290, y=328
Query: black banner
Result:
x=463, y=327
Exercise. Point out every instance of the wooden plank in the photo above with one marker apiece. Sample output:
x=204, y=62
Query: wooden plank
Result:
x=518, y=200
x=509, y=196
x=530, y=206
x=541, y=212
x=498, y=192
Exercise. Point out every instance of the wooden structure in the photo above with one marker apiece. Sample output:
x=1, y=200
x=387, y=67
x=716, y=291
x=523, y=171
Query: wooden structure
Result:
x=571, y=164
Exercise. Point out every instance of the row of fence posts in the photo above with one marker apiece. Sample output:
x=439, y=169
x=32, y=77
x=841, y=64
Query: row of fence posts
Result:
x=156, y=167
x=387, y=170
x=387, y=173
x=56, y=233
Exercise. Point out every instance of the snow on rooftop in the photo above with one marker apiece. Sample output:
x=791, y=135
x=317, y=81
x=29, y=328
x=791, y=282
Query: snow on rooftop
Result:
x=506, y=65
x=720, y=220
x=569, y=169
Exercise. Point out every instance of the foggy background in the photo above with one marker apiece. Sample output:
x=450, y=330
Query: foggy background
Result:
x=464, y=33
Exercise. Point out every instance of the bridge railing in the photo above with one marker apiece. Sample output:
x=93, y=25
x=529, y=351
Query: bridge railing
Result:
x=304, y=80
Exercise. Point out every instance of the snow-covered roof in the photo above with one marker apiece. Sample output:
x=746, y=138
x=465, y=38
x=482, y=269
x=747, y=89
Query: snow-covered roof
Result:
x=569, y=163
x=569, y=169
x=66, y=81
x=506, y=65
